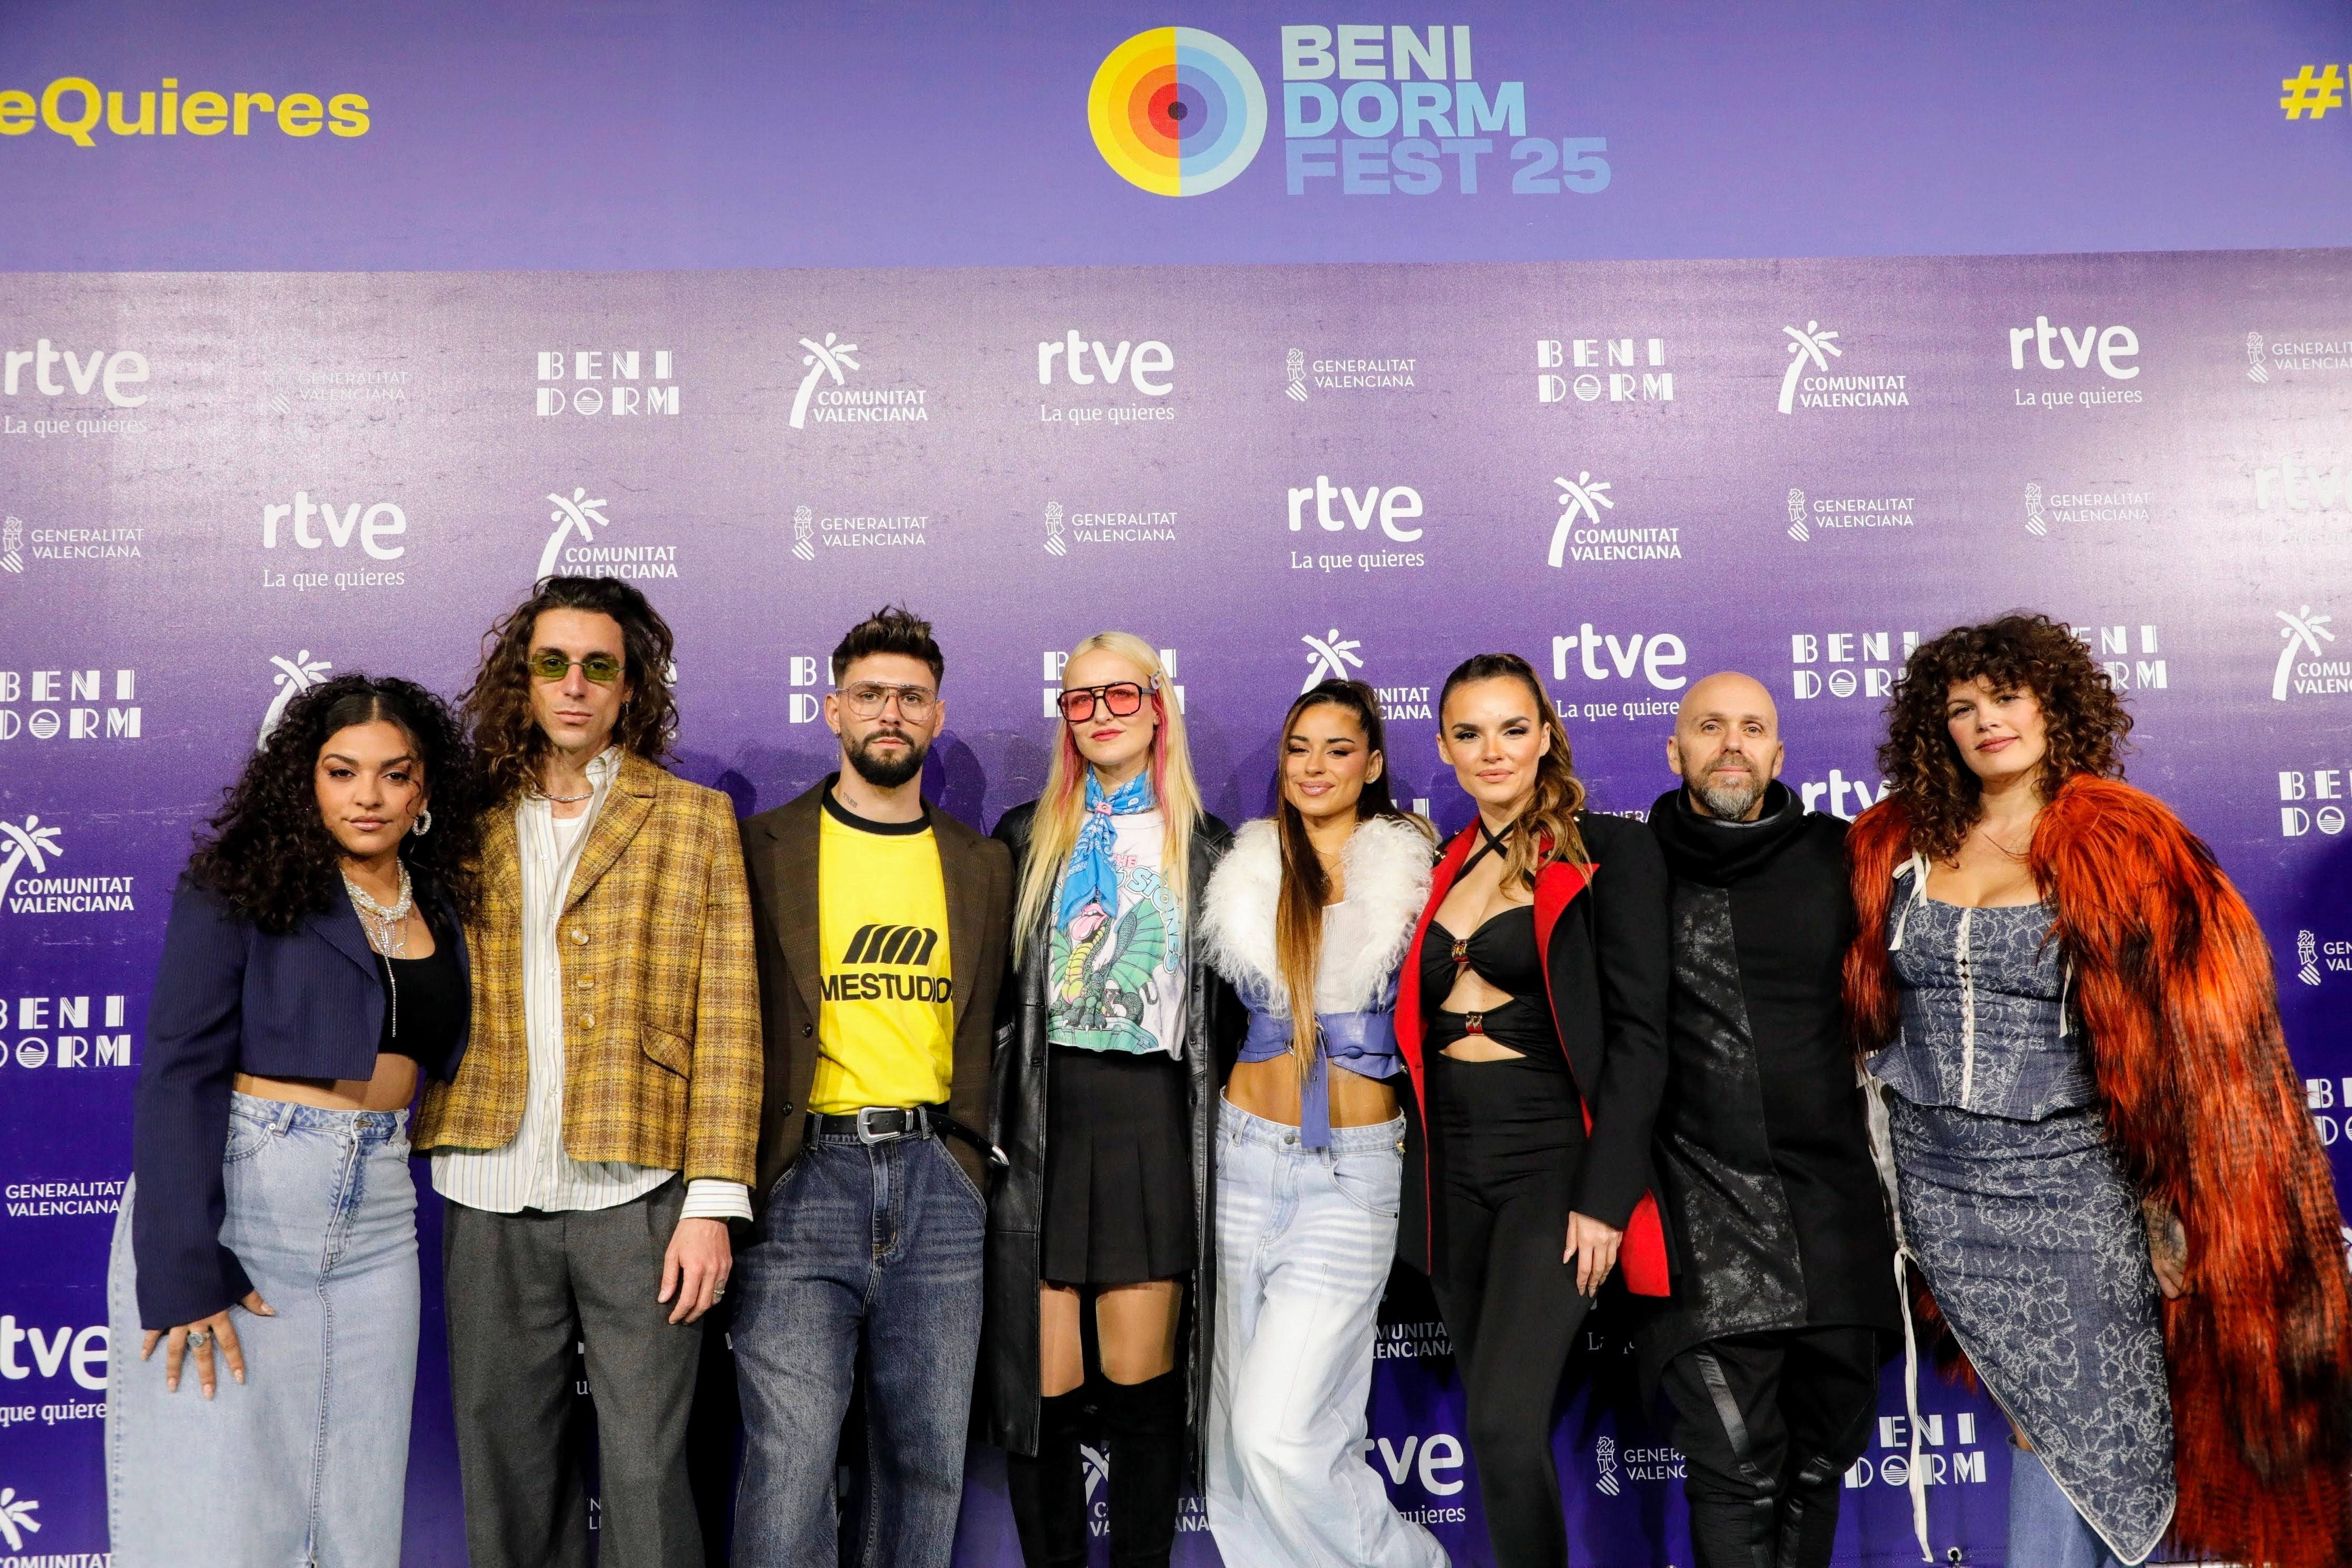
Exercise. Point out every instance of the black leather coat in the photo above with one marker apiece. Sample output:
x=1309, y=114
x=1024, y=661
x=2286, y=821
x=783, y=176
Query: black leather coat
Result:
x=1009, y=1378
x=1762, y=1150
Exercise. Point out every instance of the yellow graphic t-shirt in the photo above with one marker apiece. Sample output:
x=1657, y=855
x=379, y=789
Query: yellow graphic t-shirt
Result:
x=886, y=1025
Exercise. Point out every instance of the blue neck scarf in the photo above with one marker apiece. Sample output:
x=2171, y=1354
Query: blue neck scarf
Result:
x=1093, y=875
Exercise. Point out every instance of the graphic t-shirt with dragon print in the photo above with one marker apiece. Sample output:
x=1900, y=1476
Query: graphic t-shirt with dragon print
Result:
x=1118, y=977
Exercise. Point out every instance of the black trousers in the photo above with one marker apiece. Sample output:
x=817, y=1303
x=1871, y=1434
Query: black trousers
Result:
x=1511, y=1138
x=1768, y=1425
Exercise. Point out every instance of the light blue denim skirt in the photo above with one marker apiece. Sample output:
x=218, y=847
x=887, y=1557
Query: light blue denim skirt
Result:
x=306, y=1461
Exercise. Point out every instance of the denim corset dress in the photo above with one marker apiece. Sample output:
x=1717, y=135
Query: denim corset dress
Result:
x=2017, y=1211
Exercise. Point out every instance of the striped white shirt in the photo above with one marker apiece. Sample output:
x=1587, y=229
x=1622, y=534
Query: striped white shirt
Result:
x=533, y=1171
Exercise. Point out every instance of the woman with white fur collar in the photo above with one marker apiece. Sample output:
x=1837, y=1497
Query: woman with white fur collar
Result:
x=1309, y=914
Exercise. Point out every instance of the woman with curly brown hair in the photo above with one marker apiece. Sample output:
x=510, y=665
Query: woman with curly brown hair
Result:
x=2100, y=1159
x=314, y=970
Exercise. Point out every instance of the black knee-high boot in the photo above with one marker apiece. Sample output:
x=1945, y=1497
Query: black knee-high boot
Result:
x=1143, y=1425
x=1049, y=1492
x=1809, y=1514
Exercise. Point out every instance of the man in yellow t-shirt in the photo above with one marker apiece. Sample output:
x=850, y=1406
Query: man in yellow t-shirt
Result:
x=882, y=927
x=887, y=1010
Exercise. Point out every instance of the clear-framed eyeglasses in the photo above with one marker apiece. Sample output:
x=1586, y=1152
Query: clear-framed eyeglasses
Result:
x=868, y=697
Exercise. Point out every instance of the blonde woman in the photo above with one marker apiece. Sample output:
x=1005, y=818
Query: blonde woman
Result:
x=1309, y=918
x=1106, y=1090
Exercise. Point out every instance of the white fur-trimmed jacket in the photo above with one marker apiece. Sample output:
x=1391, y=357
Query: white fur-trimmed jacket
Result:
x=1387, y=866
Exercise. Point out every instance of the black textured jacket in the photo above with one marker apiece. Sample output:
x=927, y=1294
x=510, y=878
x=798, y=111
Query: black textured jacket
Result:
x=1009, y=1386
x=1762, y=1149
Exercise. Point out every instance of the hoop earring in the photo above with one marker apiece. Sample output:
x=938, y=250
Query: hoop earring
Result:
x=424, y=823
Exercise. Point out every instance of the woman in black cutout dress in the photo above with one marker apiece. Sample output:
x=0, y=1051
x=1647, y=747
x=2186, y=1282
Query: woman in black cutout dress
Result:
x=1531, y=1013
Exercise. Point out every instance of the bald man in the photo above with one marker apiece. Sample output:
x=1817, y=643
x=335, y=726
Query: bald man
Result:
x=1785, y=1307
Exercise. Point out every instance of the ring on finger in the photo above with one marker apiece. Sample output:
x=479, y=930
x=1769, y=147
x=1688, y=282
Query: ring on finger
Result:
x=199, y=1338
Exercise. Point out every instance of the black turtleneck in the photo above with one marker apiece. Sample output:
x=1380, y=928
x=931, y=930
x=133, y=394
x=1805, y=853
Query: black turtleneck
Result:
x=1763, y=912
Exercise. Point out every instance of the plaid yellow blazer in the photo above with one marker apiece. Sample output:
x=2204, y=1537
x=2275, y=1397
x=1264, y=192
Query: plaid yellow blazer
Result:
x=662, y=1049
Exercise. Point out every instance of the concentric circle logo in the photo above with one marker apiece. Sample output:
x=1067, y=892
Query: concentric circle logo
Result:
x=1177, y=111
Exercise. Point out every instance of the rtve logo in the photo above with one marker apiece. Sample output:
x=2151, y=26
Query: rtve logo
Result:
x=52, y=1017
x=1623, y=382
x=607, y=382
x=1390, y=505
x=372, y=524
x=109, y=371
x=1144, y=365
x=2110, y=344
x=1653, y=654
x=80, y=1355
x=61, y=688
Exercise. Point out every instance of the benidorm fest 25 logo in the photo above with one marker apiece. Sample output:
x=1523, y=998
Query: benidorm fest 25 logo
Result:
x=1177, y=111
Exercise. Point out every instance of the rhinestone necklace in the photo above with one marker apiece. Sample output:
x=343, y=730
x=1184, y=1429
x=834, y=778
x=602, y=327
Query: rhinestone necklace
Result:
x=384, y=933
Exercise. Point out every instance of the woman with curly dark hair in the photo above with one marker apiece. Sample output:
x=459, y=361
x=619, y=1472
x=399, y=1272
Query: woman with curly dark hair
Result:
x=314, y=969
x=2101, y=1163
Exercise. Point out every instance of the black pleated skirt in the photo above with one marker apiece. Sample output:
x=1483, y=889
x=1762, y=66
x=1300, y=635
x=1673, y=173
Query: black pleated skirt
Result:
x=1118, y=1169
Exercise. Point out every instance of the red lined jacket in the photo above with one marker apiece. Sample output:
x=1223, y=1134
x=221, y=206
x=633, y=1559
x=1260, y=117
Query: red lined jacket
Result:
x=1604, y=932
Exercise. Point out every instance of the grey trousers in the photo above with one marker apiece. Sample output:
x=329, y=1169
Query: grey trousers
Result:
x=522, y=1290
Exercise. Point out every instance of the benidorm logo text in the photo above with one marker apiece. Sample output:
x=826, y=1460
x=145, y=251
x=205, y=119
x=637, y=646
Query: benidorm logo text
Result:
x=76, y=109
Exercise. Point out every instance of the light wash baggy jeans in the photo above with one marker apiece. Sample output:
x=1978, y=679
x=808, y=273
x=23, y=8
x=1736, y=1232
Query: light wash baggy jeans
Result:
x=1304, y=1243
x=306, y=1461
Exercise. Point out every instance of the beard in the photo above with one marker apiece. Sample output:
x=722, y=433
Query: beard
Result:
x=887, y=771
x=1731, y=796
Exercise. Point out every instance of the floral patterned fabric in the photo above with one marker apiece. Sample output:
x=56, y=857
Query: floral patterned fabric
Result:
x=2026, y=1227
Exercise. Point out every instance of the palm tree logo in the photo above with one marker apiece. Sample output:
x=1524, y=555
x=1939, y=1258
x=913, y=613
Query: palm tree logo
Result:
x=17, y=1519
x=1797, y=529
x=578, y=515
x=31, y=841
x=297, y=674
x=830, y=357
x=1812, y=347
x=1586, y=497
x=1328, y=658
x=2303, y=634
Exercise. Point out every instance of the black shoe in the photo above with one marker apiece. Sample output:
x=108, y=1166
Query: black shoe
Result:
x=1049, y=1492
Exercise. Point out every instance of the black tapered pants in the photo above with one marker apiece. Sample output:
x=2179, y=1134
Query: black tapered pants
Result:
x=1512, y=1138
x=1768, y=1424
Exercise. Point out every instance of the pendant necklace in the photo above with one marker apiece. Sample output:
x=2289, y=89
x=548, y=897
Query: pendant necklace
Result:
x=383, y=925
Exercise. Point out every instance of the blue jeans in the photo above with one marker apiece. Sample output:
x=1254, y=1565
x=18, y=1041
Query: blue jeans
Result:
x=881, y=1241
x=2046, y=1530
x=305, y=1462
x=1304, y=1242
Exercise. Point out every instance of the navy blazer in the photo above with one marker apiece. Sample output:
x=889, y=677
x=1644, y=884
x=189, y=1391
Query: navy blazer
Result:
x=231, y=998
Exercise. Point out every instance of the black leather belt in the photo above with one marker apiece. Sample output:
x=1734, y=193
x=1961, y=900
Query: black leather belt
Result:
x=888, y=1123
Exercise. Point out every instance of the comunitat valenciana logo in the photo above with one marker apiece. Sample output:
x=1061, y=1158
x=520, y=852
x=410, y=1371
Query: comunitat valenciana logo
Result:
x=76, y=109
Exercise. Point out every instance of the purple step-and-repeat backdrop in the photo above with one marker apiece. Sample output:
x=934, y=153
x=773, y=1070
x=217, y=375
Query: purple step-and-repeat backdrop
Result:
x=287, y=388
x=1632, y=473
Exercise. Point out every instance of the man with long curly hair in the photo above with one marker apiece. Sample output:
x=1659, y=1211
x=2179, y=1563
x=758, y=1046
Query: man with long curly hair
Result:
x=601, y=1132
x=2103, y=1170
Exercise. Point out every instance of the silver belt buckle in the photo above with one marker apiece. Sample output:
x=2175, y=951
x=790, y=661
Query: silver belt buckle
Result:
x=911, y=1124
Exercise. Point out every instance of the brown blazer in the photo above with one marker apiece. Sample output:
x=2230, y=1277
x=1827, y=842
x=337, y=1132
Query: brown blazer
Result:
x=780, y=852
x=661, y=1023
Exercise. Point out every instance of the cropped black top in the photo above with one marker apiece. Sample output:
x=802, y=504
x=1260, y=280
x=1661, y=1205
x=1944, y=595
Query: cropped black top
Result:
x=427, y=1005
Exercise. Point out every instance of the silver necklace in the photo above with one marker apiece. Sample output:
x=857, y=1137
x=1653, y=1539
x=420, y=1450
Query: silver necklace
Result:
x=385, y=933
